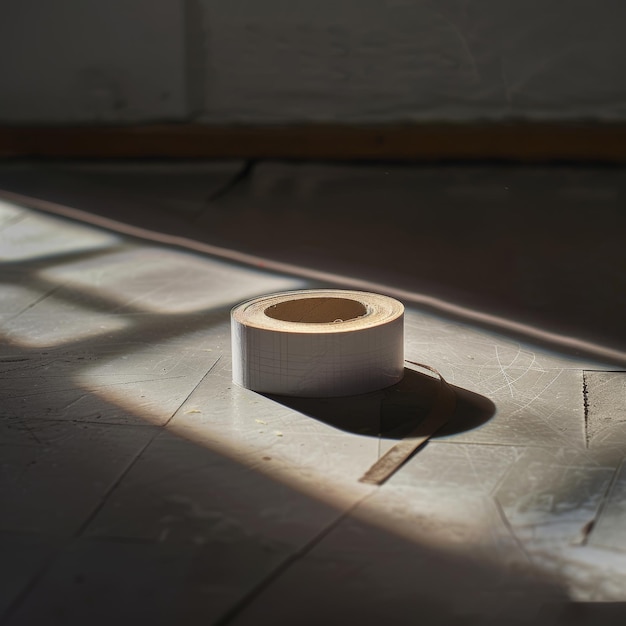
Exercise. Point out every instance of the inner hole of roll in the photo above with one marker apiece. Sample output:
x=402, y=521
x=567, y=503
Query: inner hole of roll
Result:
x=317, y=310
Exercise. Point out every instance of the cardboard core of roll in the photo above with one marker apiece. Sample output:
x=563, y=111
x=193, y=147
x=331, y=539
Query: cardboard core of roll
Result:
x=320, y=310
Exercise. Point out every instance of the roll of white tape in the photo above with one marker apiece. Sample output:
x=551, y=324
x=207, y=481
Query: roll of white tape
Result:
x=318, y=343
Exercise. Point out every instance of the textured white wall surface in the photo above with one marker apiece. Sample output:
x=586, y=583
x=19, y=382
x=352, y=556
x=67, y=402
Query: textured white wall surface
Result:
x=91, y=60
x=311, y=60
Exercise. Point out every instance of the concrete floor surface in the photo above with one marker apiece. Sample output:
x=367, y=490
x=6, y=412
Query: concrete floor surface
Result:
x=139, y=485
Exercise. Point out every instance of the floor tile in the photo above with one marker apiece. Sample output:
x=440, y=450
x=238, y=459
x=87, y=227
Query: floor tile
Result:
x=457, y=348
x=533, y=406
x=143, y=379
x=588, y=573
x=54, y=482
x=158, y=188
x=219, y=405
x=361, y=573
x=52, y=321
x=512, y=509
x=149, y=379
x=463, y=467
x=105, y=582
x=24, y=556
x=608, y=531
x=252, y=427
x=239, y=524
x=9, y=214
x=17, y=298
x=605, y=396
x=37, y=236
x=161, y=280
x=552, y=496
x=181, y=491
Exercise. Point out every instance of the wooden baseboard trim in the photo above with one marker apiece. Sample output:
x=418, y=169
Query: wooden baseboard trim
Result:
x=528, y=142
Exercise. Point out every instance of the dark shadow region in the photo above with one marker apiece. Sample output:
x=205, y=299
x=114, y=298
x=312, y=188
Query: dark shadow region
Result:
x=392, y=413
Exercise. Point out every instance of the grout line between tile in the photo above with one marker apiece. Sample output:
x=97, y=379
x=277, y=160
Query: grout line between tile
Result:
x=83, y=527
x=119, y=479
x=30, y=585
x=509, y=527
x=586, y=409
x=97, y=423
x=219, y=358
x=42, y=297
x=26, y=590
x=520, y=451
x=606, y=496
x=256, y=591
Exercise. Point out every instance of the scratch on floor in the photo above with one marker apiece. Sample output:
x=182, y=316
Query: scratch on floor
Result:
x=31, y=433
x=543, y=418
x=542, y=391
x=506, y=376
x=74, y=401
x=511, y=381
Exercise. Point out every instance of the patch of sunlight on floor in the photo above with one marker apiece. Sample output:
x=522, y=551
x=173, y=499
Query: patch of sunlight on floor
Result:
x=167, y=281
x=9, y=212
x=38, y=236
x=49, y=321
x=152, y=380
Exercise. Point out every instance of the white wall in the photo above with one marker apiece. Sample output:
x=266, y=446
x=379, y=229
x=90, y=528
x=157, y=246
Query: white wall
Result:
x=311, y=60
x=91, y=60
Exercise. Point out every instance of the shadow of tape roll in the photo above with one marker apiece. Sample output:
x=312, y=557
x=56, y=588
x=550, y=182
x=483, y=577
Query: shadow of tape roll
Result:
x=327, y=343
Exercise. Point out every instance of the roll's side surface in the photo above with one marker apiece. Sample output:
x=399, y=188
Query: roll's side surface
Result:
x=323, y=358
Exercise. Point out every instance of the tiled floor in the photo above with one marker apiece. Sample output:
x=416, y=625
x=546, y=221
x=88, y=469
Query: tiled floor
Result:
x=139, y=485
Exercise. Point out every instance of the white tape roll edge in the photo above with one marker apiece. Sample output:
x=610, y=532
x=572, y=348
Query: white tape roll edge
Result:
x=318, y=343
